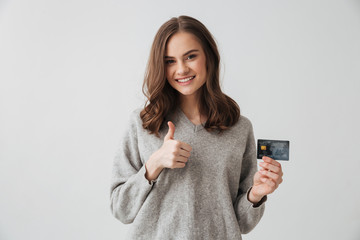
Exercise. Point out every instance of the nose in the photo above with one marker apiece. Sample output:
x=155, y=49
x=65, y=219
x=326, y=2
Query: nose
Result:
x=182, y=69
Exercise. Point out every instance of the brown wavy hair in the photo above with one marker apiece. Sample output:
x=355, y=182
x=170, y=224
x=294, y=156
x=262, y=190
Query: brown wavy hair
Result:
x=222, y=111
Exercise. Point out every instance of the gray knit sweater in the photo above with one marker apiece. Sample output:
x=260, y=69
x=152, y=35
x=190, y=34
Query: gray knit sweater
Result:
x=207, y=199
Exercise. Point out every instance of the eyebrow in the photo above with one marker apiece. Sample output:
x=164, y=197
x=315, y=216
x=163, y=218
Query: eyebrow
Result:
x=188, y=52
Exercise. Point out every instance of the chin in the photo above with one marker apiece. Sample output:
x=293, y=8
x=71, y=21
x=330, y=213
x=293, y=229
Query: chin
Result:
x=186, y=93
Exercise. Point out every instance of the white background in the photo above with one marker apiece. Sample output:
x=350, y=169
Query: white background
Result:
x=71, y=72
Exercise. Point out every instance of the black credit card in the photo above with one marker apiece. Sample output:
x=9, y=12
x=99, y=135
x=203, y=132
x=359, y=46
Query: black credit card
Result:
x=275, y=149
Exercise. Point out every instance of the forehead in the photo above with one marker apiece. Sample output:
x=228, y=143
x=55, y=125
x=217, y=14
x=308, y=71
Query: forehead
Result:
x=180, y=43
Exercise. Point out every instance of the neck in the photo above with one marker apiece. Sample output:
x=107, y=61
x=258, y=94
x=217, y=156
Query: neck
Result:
x=190, y=105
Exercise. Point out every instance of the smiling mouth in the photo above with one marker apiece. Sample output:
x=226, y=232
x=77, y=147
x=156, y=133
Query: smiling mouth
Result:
x=185, y=79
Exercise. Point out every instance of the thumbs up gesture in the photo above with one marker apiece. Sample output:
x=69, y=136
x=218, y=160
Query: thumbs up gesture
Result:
x=171, y=131
x=172, y=154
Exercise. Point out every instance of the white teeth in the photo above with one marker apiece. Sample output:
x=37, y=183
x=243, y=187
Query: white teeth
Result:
x=186, y=79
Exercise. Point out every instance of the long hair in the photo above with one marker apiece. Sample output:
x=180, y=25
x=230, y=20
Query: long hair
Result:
x=222, y=111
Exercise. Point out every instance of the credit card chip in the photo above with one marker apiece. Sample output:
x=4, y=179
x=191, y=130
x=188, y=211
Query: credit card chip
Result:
x=263, y=147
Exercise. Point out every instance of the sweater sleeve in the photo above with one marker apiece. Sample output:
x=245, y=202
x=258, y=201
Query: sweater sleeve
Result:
x=129, y=187
x=248, y=214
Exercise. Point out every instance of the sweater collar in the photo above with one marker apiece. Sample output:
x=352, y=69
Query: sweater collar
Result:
x=184, y=119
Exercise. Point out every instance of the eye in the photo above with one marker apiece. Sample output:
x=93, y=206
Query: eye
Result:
x=191, y=56
x=169, y=62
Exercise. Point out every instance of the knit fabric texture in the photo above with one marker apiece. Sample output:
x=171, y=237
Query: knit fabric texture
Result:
x=207, y=199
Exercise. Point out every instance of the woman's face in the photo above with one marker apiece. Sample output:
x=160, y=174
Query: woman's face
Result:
x=185, y=63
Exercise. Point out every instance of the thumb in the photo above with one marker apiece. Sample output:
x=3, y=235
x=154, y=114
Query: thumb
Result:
x=170, y=134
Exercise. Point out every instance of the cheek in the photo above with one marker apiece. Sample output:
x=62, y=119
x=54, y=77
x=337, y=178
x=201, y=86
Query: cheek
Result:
x=169, y=77
x=201, y=67
x=169, y=72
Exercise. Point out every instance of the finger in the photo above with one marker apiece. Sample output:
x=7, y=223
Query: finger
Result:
x=185, y=146
x=171, y=131
x=271, y=161
x=268, y=181
x=184, y=153
x=273, y=176
x=181, y=159
x=271, y=167
x=178, y=165
x=271, y=183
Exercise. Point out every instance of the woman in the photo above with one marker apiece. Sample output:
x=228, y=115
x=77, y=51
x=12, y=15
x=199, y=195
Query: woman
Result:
x=187, y=168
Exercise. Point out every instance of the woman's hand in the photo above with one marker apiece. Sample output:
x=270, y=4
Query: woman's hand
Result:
x=172, y=154
x=266, y=180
